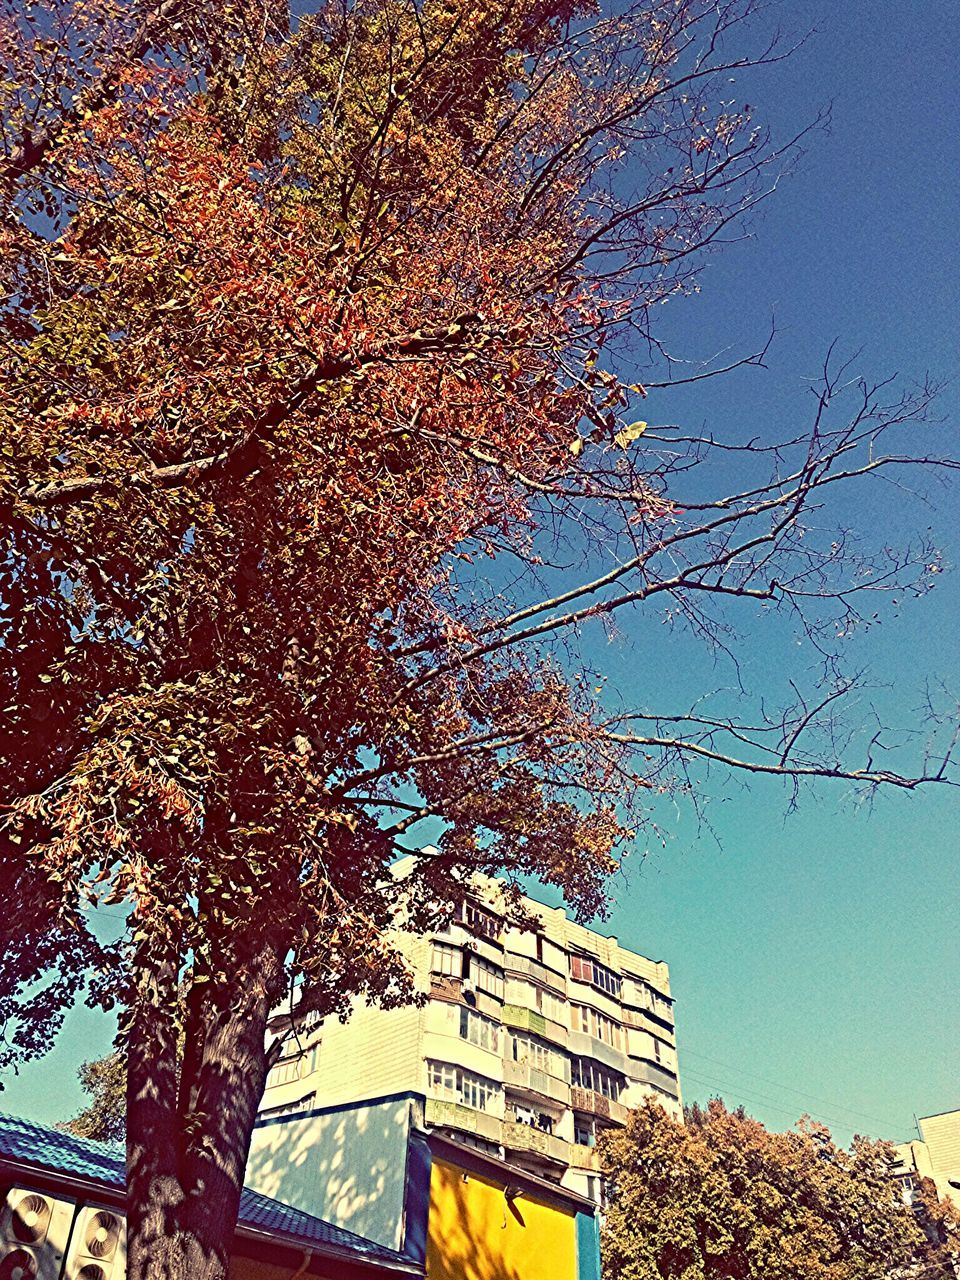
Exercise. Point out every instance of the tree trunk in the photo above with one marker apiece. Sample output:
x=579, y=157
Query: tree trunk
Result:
x=185, y=1166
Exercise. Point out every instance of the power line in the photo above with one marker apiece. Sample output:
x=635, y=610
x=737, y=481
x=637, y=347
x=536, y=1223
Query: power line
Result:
x=835, y=1106
x=738, y=1093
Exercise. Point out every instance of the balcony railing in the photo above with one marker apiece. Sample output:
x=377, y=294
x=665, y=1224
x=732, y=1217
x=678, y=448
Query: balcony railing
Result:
x=595, y=1104
x=528, y=1138
x=583, y=1157
x=523, y=1019
x=520, y=1075
x=454, y=1115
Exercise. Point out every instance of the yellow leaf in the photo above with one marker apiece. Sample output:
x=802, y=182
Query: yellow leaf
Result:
x=629, y=434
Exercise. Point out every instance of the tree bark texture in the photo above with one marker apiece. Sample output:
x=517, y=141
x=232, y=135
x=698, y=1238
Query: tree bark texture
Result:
x=188, y=1139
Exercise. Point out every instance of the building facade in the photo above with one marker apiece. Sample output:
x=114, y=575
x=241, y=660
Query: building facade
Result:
x=529, y=1041
x=936, y=1156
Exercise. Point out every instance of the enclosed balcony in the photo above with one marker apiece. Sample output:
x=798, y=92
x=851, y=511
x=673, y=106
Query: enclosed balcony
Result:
x=531, y=968
x=523, y=1019
x=521, y=1077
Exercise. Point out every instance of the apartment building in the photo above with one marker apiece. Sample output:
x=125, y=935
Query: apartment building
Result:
x=528, y=1044
x=936, y=1156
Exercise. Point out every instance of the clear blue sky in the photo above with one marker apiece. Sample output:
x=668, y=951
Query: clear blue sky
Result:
x=815, y=960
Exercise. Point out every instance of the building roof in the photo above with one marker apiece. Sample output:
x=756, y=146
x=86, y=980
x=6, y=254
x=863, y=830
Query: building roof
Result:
x=30, y=1146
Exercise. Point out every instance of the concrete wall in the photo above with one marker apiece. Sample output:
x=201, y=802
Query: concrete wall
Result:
x=375, y=1053
x=941, y=1137
x=347, y=1165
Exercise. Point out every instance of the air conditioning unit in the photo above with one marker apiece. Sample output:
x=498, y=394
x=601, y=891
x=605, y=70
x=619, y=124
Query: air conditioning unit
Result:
x=98, y=1247
x=34, y=1230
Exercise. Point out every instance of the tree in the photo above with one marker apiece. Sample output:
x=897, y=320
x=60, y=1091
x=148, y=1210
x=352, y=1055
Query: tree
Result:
x=315, y=385
x=722, y=1196
x=105, y=1081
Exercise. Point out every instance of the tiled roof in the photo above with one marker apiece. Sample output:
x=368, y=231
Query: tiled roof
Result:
x=23, y=1142
x=61, y=1152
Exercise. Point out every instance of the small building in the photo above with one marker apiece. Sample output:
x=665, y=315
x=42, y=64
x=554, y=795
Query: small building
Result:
x=467, y=1214
x=62, y=1207
x=421, y=1204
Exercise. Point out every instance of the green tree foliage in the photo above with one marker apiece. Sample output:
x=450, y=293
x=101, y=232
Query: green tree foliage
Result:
x=722, y=1197
x=105, y=1081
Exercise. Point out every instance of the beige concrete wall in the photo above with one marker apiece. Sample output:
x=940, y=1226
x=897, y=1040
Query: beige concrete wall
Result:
x=941, y=1136
x=941, y=1133
x=376, y=1052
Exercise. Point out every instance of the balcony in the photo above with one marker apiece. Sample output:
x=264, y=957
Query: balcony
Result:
x=445, y=987
x=595, y=1104
x=583, y=1157
x=534, y=969
x=454, y=1115
x=530, y=1140
x=520, y=1076
x=648, y=1072
x=523, y=1019
x=639, y=1018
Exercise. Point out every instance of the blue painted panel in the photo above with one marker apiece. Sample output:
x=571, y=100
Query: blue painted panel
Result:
x=417, y=1199
x=588, y=1247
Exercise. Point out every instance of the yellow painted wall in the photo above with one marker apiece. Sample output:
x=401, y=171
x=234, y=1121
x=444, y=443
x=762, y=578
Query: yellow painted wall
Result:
x=247, y=1269
x=475, y=1235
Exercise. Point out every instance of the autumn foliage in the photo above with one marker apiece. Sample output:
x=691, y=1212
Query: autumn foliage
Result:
x=723, y=1196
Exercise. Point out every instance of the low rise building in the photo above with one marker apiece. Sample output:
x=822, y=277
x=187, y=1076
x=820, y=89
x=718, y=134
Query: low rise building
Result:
x=430, y=1208
x=62, y=1218
x=374, y=1168
x=528, y=1043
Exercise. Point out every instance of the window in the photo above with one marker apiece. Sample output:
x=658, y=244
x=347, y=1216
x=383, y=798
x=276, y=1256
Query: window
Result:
x=586, y=969
x=289, y=1108
x=658, y=1004
x=479, y=920
x=305, y=1026
x=476, y=1091
x=598, y=1025
x=487, y=976
x=587, y=1074
x=456, y=1085
x=285, y=1071
x=445, y=960
x=584, y=1133
x=442, y=1080
x=596, y=1191
x=540, y=1056
x=552, y=1006
x=480, y=1031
